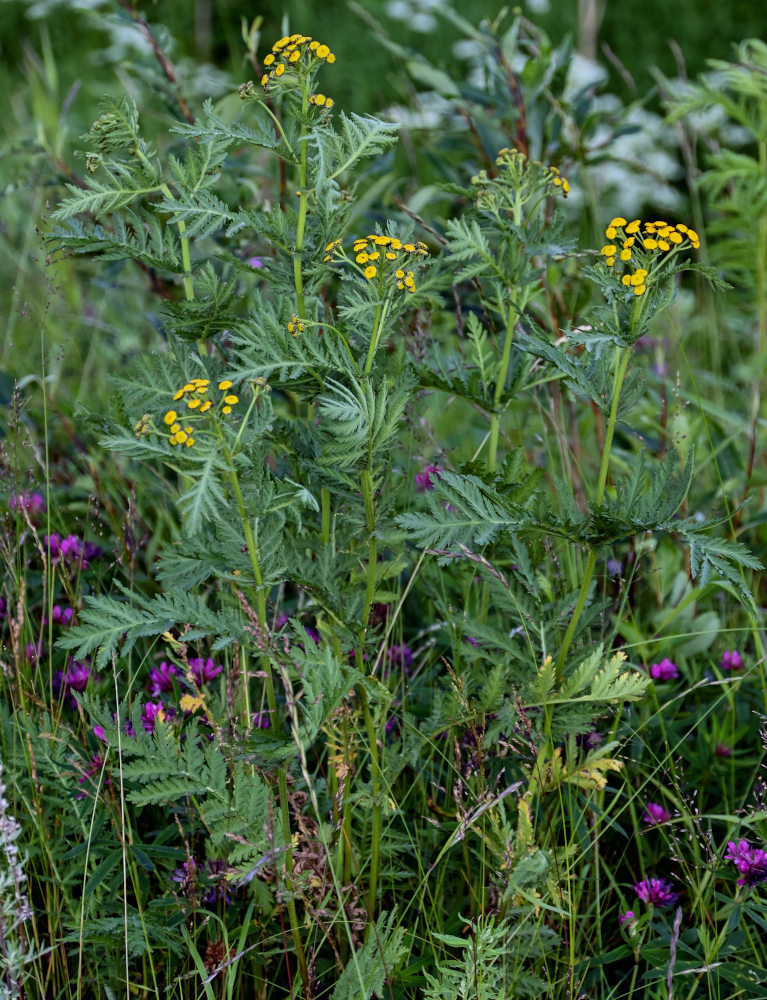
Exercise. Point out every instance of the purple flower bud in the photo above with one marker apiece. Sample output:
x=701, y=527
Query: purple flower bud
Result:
x=722, y=750
x=254, y=262
x=261, y=720
x=664, y=671
x=614, y=567
x=626, y=917
x=59, y=616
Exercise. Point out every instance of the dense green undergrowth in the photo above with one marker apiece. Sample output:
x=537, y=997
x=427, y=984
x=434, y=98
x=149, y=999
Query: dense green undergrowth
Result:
x=382, y=612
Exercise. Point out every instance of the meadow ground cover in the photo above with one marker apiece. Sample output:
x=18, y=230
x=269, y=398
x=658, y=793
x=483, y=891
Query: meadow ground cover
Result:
x=382, y=612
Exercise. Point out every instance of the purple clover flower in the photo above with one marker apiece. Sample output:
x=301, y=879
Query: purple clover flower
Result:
x=614, y=567
x=59, y=615
x=723, y=750
x=627, y=916
x=33, y=651
x=254, y=262
x=423, y=478
x=161, y=678
x=731, y=660
x=191, y=871
x=664, y=671
x=71, y=551
x=751, y=862
x=32, y=503
x=400, y=655
x=656, y=892
x=261, y=720
x=204, y=670
x=74, y=678
x=655, y=813
x=150, y=712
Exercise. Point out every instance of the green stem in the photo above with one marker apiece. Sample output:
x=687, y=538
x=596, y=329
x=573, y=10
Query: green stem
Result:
x=622, y=359
x=271, y=698
x=495, y=419
x=325, y=514
x=303, y=204
x=375, y=837
x=378, y=321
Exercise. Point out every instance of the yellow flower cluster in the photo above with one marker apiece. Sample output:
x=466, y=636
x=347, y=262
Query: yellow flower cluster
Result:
x=295, y=326
x=643, y=239
x=381, y=256
x=289, y=51
x=196, y=395
x=552, y=174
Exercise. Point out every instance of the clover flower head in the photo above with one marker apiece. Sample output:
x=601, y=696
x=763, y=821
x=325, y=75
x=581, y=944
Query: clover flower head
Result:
x=664, y=671
x=731, y=660
x=400, y=655
x=74, y=678
x=647, y=242
x=59, y=616
x=151, y=712
x=295, y=52
x=626, y=917
x=656, y=892
x=161, y=678
x=655, y=813
x=751, y=862
x=423, y=479
x=203, y=670
x=32, y=503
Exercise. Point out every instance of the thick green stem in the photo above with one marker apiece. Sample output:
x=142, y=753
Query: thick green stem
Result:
x=303, y=204
x=271, y=698
x=375, y=837
x=622, y=359
x=325, y=515
x=378, y=321
x=495, y=419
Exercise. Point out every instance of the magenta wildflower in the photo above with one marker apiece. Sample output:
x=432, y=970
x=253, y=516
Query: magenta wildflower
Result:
x=423, y=478
x=95, y=766
x=32, y=503
x=3, y=608
x=614, y=567
x=261, y=720
x=655, y=813
x=254, y=262
x=34, y=651
x=731, y=660
x=625, y=917
x=750, y=861
x=74, y=678
x=161, y=678
x=313, y=634
x=656, y=892
x=722, y=750
x=204, y=670
x=59, y=616
x=151, y=711
x=400, y=655
x=664, y=671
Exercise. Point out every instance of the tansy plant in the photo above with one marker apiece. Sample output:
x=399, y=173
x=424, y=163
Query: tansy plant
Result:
x=279, y=410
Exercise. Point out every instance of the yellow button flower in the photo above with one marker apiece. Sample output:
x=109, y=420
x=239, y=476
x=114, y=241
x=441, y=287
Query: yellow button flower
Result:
x=226, y=384
x=371, y=271
x=231, y=400
x=170, y=417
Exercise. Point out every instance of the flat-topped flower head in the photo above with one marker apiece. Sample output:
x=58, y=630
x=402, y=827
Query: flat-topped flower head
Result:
x=384, y=259
x=644, y=247
x=299, y=53
x=520, y=166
